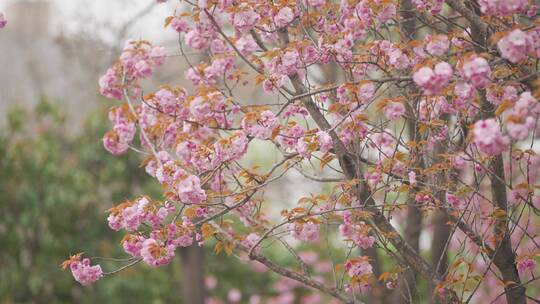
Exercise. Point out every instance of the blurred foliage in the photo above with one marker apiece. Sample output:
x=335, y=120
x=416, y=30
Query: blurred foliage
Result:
x=56, y=183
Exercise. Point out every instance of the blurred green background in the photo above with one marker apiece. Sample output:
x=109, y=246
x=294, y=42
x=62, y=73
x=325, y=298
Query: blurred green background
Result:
x=56, y=183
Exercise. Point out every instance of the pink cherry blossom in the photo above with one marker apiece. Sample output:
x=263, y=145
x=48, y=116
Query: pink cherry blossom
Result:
x=290, y=137
x=358, y=268
x=518, y=131
x=168, y=102
x=366, y=92
x=524, y=116
x=262, y=127
x=180, y=234
x=394, y=110
x=156, y=254
x=246, y=45
x=432, y=81
x=388, y=12
x=245, y=19
x=179, y=24
x=488, y=138
x=477, y=71
x=526, y=265
x=84, y=273
x=234, y=295
x=114, y=144
x=464, y=92
x=109, y=85
x=157, y=55
x=284, y=17
x=250, y=240
x=197, y=39
x=454, y=201
x=307, y=232
x=190, y=191
x=515, y=46
x=433, y=6
x=364, y=241
x=412, y=178
x=397, y=58
x=502, y=7
x=133, y=244
x=495, y=95
x=316, y=3
x=325, y=141
x=437, y=45
x=391, y=285
x=210, y=282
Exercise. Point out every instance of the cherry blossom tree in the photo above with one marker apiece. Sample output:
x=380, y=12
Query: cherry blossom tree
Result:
x=419, y=118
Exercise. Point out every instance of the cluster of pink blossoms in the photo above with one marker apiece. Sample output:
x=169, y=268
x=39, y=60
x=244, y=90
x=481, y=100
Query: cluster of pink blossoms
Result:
x=526, y=265
x=157, y=254
x=117, y=140
x=487, y=136
x=437, y=45
x=250, y=240
x=357, y=233
x=305, y=231
x=454, y=201
x=349, y=95
x=131, y=215
x=325, y=141
x=523, y=117
x=138, y=60
x=495, y=94
x=219, y=69
x=394, y=110
x=394, y=55
x=358, y=268
x=171, y=102
x=432, y=6
x=260, y=125
x=476, y=70
x=82, y=271
x=159, y=247
x=289, y=138
x=515, y=46
x=186, y=187
x=432, y=81
x=502, y=7
x=290, y=62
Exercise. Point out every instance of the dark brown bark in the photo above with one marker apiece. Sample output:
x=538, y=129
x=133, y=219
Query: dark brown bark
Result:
x=192, y=275
x=413, y=224
x=503, y=256
x=413, y=228
x=441, y=234
x=441, y=228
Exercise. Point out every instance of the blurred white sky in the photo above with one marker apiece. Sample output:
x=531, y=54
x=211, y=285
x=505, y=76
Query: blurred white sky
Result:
x=105, y=17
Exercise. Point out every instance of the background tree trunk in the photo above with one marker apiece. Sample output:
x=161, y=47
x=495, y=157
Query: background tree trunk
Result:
x=413, y=227
x=192, y=275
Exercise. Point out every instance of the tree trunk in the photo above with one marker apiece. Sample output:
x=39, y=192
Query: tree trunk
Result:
x=192, y=275
x=406, y=291
x=441, y=233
